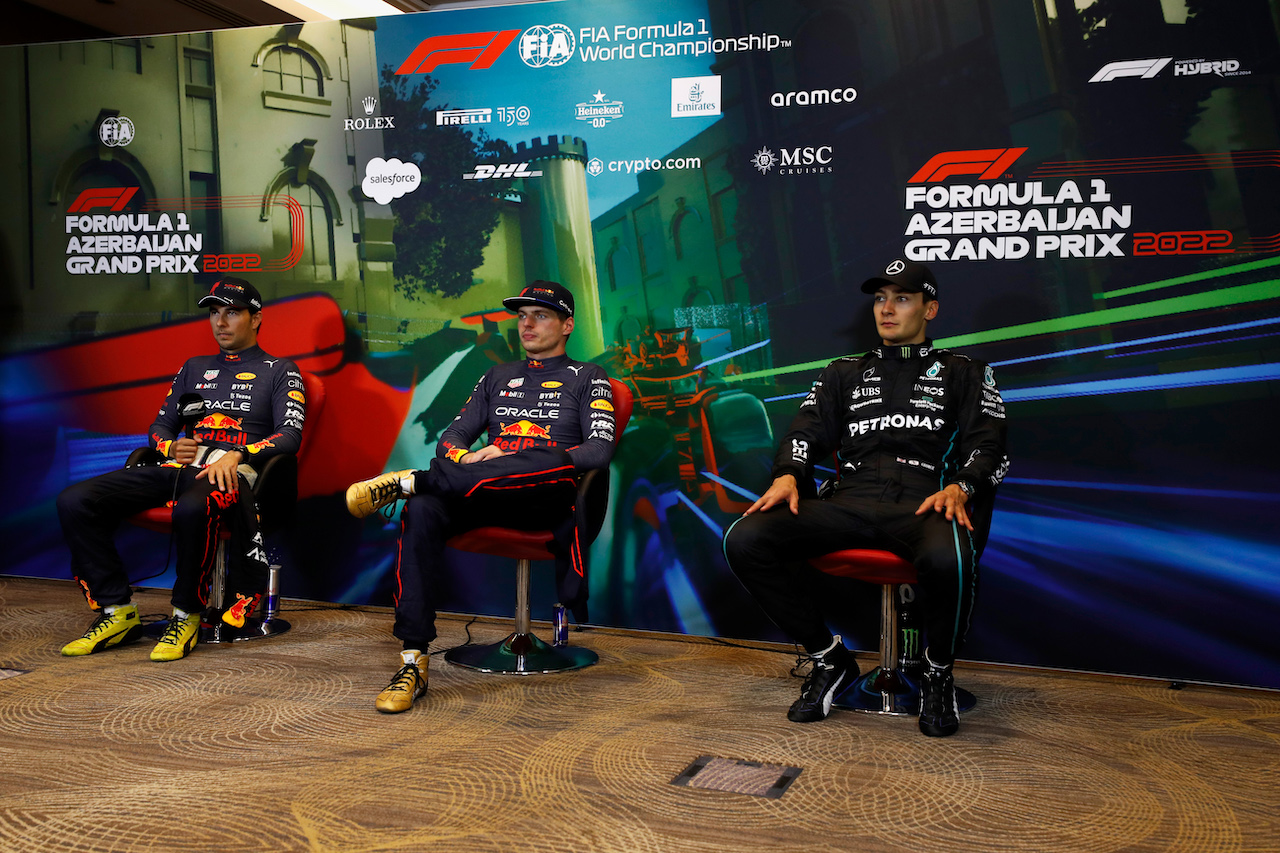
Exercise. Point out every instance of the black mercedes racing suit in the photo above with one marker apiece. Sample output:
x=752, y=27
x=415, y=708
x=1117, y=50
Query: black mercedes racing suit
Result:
x=555, y=417
x=904, y=422
x=254, y=404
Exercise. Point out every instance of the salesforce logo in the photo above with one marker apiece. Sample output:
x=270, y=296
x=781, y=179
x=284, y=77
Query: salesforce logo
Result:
x=385, y=180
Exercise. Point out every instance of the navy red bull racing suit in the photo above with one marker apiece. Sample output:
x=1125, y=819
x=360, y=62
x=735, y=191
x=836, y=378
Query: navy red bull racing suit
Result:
x=904, y=423
x=255, y=404
x=555, y=418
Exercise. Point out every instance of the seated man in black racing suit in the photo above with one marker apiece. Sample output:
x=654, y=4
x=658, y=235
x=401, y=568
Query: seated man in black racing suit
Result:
x=253, y=408
x=918, y=432
x=548, y=419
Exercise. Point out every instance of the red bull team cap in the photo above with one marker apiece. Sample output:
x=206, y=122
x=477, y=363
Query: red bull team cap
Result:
x=552, y=294
x=233, y=291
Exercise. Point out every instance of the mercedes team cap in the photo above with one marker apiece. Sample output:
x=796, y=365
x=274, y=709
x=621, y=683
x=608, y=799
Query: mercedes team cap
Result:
x=911, y=277
x=549, y=293
x=233, y=291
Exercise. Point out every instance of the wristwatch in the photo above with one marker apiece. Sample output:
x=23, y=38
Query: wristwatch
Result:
x=965, y=487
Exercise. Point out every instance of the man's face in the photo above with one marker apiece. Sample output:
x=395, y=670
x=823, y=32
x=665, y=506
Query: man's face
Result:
x=234, y=328
x=542, y=333
x=901, y=317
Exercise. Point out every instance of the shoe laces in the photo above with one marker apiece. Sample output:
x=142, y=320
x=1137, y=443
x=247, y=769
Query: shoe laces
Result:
x=173, y=634
x=816, y=668
x=407, y=678
x=101, y=623
x=938, y=686
x=389, y=492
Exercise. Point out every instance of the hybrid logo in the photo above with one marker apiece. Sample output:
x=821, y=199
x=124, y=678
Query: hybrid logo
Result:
x=1194, y=67
x=1144, y=68
x=498, y=171
x=987, y=163
x=547, y=46
x=481, y=50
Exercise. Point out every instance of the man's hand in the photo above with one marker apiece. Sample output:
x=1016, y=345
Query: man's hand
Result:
x=951, y=500
x=223, y=473
x=489, y=451
x=184, y=450
x=783, y=490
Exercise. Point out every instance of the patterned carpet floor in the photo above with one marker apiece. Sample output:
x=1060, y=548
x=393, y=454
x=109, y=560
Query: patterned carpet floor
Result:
x=275, y=745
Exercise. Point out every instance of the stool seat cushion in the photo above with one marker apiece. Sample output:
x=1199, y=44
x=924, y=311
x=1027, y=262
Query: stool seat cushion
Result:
x=866, y=564
x=505, y=542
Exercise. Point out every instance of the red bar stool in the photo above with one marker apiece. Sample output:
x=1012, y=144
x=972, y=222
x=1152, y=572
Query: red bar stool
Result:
x=885, y=689
x=522, y=652
x=276, y=491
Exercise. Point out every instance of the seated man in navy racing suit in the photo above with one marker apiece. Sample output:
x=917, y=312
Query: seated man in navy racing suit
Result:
x=253, y=409
x=548, y=419
x=918, y=432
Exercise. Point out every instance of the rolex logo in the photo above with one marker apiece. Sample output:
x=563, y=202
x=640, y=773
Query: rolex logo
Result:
x=369, y=103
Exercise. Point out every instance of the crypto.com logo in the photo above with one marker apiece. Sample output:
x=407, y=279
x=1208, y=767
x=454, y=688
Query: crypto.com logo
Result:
x=986, y=163
x=1144, y=68
x=481, y=50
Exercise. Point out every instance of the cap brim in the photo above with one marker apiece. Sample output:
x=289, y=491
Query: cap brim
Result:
x=515, y=303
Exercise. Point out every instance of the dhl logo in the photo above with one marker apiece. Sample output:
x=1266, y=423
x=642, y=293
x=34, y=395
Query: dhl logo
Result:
x=602, y=405
x=527, y=429
x=219, y=421
x=246, y=376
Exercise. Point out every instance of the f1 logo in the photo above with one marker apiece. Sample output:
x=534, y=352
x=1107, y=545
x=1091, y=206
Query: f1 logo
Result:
x=986, y=163
x=114, y=198
x=1144, y=68
x=480, y=49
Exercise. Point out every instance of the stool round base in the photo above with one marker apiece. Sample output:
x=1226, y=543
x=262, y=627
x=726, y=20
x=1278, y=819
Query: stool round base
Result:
x=891, y=693
x=220, y=632
x=253, y=629
x=521, y=654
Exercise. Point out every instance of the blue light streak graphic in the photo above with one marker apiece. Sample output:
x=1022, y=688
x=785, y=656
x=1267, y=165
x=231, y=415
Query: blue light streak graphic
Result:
x=702, y=516
x=1231, y=327
x=729, y=355
x=1190, y=346
x=1212, y=494
x=1163, y=382
x=785, y=396
x=733, y=487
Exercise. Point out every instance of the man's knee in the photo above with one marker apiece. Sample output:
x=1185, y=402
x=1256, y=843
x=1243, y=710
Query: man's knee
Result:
x=743, y=547
x=71, y=502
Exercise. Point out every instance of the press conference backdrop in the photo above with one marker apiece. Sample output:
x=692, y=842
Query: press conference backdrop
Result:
x=1093, y=183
